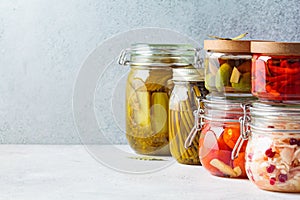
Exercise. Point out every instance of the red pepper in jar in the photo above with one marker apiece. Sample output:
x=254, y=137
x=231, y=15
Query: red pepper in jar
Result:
x=215, y=148
x=276, y=70
x=231, y=134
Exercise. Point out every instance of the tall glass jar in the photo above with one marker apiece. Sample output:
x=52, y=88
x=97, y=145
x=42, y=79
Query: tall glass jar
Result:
x=276, y=70
x=147, y=93
x=228, y=67
x=273, y=151
x=188, y=90
x=219, y=136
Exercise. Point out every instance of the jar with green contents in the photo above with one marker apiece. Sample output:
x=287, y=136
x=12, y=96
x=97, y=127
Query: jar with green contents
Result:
x=228, y=67
x=148, y=90
x=188, y=90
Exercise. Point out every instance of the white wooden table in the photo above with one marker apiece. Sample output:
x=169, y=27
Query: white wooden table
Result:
x=71, y=173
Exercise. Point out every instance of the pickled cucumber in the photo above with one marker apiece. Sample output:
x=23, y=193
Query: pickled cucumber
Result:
x=159, y=110
x=209, y=81
x=147, y=111
x=235, y=76
x=223, y=77
x=231, y=77
x=244, y=83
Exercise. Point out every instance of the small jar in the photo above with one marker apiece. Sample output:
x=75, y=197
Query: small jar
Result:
x=148, y=90
x=276, y=70
x=220, y=135
x=228, y=67
x=273, y=151
x=188, y=90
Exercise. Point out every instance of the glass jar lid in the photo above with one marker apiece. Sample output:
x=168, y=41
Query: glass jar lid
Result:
x=159, y=55
x=274, y=110
x=214, y=100
x=276, y=48
x=221, y=108
x=188, y=74
x=272, y=117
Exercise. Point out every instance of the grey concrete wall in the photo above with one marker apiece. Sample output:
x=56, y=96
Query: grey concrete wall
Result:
x=43, y=43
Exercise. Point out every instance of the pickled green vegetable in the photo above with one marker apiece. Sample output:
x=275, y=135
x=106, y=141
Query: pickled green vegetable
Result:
x=228, y=75
x=223, y=76
x=244, y=83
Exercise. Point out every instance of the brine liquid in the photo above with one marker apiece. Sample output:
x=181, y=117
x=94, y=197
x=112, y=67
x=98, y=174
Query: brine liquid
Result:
x=181, y=124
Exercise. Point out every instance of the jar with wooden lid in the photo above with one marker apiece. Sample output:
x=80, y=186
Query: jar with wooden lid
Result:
x=185, y=99
x=276, y=71
x=228, y=67
x=148, y=88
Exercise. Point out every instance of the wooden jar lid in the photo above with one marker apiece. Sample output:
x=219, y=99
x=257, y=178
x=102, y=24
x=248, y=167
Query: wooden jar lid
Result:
x=238, y=46
x=281, y=48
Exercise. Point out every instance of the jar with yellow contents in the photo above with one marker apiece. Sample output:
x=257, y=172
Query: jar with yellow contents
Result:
x=148, y=88
x=188, y=90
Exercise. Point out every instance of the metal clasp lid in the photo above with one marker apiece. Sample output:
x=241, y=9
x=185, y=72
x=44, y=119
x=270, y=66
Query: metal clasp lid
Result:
x=198, y=61
x=198, y=114
x=123, y=58
x=244, y=131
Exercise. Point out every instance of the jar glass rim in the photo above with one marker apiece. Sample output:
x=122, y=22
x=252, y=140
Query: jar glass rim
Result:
x=228, y=55
x=151, y=55
x=272, y=109
x=214, y=119
x=272, y=130
x=188, y=74
x=226, y=103
x=167, y=47
x=222, y=111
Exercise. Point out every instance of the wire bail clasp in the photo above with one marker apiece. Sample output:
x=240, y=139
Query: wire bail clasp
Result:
x=123, y=58
x=198, y=116
x=198, y=59
x=244, y=131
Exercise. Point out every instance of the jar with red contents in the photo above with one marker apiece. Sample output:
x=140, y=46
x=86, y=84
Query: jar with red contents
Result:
x=220, y=135
x=276, y=70
x=273, y=150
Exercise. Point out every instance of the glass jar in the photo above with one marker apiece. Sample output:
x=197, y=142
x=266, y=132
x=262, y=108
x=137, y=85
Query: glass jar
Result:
x=147, y=93
x=220, y=135
x=188, y=90
x=276, y=70
x=273, y=151
x=228, y=67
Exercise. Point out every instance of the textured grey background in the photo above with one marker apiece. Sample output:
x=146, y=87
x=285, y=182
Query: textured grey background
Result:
x=43, y=43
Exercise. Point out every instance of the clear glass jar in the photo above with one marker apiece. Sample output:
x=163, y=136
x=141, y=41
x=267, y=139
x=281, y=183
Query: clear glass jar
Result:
x=276, y=70
x=228, y=67
x=219, y=136
x=147, y=93
x=273, y=151
x=188, y=88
